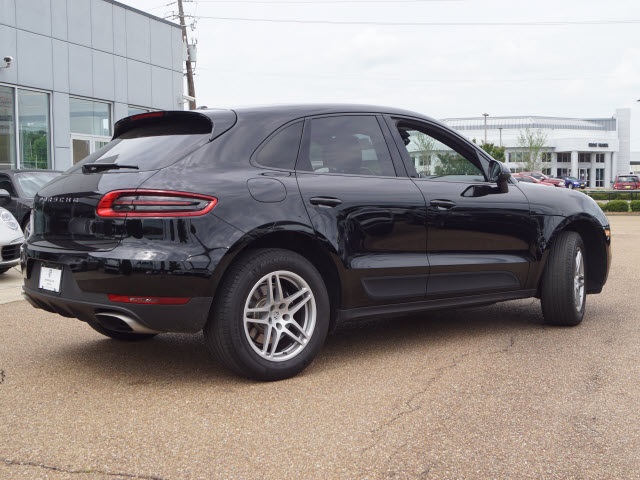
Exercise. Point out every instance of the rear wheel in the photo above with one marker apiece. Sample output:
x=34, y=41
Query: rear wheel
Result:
x=122, y=336
x=563, y=292
x=270, y=317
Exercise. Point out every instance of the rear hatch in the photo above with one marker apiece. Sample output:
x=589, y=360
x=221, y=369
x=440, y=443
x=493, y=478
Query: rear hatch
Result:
x=66, y=212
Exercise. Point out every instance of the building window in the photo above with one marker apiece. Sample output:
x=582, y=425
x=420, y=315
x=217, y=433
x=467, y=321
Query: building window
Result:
x=7, y=129
x=516, y=157
x=562, y=172
x=545, y=157
x=584, y=157
x=564, y=157
x=600, y=175
x=599, y=157
x=89, y=117
x=90, y=127
x=33, y=129
x=547, y=171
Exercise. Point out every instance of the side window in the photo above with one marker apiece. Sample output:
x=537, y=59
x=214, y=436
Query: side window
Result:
x=281, y=150
x=352, y=145
x=437, y=157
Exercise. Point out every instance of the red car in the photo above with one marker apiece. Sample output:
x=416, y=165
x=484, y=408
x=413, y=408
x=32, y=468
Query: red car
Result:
x=626, y=182
x=521, y=177
x=556, y=182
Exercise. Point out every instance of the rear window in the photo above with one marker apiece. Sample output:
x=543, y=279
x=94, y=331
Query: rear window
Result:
x=31, y=182
x=629, y=178
x=153, y=141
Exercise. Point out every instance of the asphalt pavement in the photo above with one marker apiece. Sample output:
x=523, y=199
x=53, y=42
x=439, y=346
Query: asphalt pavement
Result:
x=468, y=394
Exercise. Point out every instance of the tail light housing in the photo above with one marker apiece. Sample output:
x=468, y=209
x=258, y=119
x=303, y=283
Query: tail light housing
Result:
x=154, y=203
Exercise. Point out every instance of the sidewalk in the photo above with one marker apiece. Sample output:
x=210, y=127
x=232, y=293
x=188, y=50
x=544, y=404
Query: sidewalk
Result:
x=11, y=285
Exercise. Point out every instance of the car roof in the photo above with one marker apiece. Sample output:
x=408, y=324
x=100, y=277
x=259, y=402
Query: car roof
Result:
x=294, y=111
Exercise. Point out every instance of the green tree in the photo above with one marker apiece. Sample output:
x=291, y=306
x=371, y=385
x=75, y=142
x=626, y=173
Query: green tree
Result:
x=532, y=143
x=454, y=164
x=421, y=147
x=493, y=150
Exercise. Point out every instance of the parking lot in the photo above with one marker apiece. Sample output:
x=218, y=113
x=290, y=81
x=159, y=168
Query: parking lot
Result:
x=474, y=393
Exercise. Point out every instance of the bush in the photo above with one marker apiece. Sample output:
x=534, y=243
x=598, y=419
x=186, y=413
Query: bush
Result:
x=599, y=195
x=602, y=206
x=635, y=205
x=616, y=206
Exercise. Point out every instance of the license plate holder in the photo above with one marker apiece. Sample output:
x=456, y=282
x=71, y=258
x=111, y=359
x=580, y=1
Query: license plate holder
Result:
x=50, y=278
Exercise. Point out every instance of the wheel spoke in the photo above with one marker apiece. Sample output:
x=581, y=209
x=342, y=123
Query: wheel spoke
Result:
x=291, y=298
x=300, y=329
x=264, y=309
x=261, y=321
x=299, y=305
x=275, y=343
x=293, y=337
x=267, y=337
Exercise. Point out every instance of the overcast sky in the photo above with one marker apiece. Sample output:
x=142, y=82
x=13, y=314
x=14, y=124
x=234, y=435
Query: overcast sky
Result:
x=570, y=58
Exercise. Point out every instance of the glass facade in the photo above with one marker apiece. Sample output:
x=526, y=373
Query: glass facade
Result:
x=25, y=129
x=7, y=128
x=89, y=117
x=33, y=129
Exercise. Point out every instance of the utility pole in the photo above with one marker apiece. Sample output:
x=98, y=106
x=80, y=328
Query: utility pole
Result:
x=191, y=90
x=485, y=115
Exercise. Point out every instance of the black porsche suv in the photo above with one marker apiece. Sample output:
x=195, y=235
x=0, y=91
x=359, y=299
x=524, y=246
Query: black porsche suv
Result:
x=264, y=227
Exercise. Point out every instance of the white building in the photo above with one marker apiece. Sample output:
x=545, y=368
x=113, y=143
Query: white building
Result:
x=594, y=149
x=78, y=66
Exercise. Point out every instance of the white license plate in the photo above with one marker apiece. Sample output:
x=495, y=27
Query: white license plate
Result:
x=50, y=279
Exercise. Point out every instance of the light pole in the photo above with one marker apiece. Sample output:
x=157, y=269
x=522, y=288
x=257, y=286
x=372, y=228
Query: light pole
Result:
x=500, y=136
x=485, y=115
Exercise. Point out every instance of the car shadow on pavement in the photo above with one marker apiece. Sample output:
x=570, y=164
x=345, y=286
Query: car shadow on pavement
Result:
x=184, y=359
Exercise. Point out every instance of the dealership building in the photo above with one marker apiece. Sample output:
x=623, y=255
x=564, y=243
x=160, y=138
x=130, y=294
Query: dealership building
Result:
x=70, y=69
x=593, y=149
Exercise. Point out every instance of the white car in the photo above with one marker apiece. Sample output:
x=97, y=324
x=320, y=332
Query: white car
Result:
x=11, y=239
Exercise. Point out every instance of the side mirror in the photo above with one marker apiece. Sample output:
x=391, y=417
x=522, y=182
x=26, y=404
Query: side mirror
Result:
x=5, y=197
x=500, y=174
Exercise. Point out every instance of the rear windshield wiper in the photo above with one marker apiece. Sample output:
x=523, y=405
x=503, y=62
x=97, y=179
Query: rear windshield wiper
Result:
x=101, y=167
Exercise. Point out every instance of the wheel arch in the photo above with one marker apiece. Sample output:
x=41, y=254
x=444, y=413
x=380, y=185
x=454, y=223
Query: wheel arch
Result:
x=301, y=242
x=596, y=247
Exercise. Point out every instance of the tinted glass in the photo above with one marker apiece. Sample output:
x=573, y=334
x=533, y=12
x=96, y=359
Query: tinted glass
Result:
x=437, y=157
x=347, y=145
x=281, y=150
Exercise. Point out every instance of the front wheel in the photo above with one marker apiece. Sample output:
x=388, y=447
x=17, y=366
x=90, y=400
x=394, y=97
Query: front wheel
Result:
x=570, y=186
x=563, y=292
x=270, y=317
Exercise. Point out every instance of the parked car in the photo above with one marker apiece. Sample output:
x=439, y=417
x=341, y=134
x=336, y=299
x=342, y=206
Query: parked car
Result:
x=556, y=182
x=11, y=239
x=626, y=182
x=573, y=182
x=530, y=179
x=17, y=189
x=267, y=226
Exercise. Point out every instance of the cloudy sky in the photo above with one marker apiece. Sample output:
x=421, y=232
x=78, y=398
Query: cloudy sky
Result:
x=444, y=58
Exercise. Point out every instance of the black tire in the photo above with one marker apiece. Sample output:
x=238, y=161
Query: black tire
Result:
x=260, y=350
x=122, y=336
x=570, y=186
x=561, y=300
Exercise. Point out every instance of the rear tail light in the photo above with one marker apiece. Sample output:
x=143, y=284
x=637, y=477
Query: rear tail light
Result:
x=154, y=203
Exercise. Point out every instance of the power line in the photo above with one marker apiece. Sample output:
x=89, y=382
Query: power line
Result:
x=429, y=24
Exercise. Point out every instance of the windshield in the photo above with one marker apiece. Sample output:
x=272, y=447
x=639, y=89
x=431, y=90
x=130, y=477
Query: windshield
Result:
x=31, y=182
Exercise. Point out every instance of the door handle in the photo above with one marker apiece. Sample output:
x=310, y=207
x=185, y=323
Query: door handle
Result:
x=325, y=201
x=442, y=204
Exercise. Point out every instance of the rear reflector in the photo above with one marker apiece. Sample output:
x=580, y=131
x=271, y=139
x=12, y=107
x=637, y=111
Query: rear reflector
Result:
x=154, y=203
x=149, y=300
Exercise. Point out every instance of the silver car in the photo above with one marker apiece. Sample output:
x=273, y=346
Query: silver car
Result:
x=11, y=239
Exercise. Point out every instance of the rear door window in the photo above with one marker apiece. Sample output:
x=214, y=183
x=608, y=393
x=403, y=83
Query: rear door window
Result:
x=349, y=144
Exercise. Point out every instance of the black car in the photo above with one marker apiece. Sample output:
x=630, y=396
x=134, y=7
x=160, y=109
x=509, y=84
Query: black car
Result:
x=17, y=189
x=265, y=227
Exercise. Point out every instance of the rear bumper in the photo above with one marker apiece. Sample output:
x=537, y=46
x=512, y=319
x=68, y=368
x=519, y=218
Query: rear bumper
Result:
x=88, y=280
